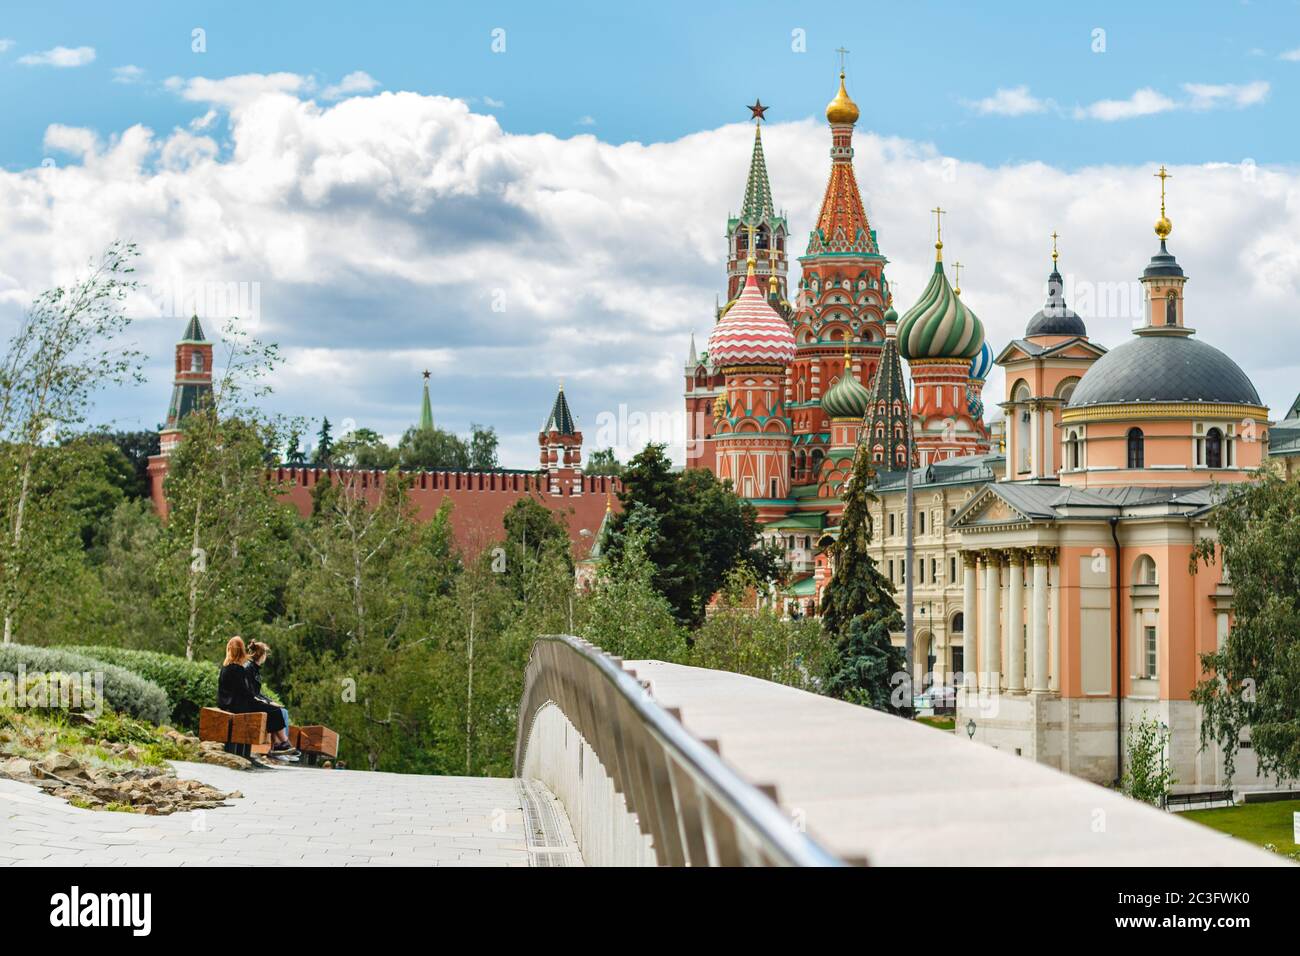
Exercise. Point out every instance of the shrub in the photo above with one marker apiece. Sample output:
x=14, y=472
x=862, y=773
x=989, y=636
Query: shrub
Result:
x=190, y=685
x=124, y=691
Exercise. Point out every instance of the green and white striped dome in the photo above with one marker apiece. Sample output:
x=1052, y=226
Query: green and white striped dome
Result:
x=847, y=398
x=939, y=325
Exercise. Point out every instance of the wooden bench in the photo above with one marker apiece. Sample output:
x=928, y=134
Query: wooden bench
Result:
x=240, y=733
x=315, y=741
x=1204, y=796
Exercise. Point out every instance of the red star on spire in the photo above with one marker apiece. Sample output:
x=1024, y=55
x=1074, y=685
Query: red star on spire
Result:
x=758, y=110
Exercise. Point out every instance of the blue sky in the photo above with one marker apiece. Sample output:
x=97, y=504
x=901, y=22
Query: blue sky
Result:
x=654, y=72
x=383, y=177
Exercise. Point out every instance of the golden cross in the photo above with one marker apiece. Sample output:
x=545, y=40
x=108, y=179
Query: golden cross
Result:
x=956, y=268
x=1163, y=175
x=938, y=232
x=843, y=53
x=1054, y=253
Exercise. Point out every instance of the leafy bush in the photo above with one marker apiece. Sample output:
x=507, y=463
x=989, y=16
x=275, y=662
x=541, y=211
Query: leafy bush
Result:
x=124, y=691
x=190, y=685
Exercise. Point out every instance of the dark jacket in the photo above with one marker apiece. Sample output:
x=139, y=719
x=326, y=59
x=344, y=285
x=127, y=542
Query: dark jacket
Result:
x=233, y=691
x=254, y=671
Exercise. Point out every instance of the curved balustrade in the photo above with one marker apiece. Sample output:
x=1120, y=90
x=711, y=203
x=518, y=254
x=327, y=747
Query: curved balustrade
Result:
x=695, y=809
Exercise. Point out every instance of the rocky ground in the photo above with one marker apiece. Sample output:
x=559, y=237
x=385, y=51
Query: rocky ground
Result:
x=63, y=755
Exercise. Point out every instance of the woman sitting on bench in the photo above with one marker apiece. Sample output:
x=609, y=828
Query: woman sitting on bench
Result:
x=257, y=652
x=235, y=694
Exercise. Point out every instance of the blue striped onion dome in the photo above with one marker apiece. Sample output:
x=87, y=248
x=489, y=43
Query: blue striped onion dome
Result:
x=982, y=364
x=939, y=325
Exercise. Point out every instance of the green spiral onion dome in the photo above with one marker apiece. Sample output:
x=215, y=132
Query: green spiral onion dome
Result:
x=847, y=398
x=939, y=325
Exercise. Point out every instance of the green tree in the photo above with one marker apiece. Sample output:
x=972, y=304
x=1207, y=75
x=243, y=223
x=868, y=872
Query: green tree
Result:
x=626, y=614
x=67, y=346
x=702, y=531
x=1147, y=775
x=1252, y=679
x=858, y=607
x=603, y=461
x=741, y=637
x=432, y=449
x=365, y=448
x=138, y=447
x=482, y=448
x=533, y=535
x=293, y=454
x=324, y=445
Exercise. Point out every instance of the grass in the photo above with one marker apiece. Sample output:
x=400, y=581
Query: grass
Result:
x=1258, y=823
x=938, y=723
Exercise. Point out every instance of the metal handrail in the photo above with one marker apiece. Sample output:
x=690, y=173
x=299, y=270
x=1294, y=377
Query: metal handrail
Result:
x=697, y=810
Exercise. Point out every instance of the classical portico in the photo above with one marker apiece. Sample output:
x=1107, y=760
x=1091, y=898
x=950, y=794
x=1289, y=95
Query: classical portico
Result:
x=1007, y=597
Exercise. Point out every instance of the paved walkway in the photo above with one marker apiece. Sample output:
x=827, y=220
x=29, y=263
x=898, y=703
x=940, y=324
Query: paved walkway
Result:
x=301, y=817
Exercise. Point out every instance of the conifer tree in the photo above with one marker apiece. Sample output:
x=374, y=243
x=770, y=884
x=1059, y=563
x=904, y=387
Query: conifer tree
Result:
x=858, y=607
x=324, y=445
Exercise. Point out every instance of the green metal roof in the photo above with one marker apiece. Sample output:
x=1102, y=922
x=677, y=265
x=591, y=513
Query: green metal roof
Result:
x=560, y=419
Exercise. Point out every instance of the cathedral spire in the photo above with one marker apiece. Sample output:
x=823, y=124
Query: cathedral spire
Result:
x=842, y=224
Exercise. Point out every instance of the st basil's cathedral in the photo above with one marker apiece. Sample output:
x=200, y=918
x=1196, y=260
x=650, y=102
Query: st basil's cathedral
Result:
x=788, y=388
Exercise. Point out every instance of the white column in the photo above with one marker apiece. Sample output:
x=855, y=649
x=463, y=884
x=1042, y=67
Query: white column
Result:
x=1016, y=623
x=991, y=660
x=1038, y=622
x=1035, y=456
x=970, y=627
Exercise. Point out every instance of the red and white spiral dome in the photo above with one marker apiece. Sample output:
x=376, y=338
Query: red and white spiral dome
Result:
x=751, y=332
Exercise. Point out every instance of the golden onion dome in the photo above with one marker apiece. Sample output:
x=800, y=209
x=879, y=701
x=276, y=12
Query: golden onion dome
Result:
x=842, y=110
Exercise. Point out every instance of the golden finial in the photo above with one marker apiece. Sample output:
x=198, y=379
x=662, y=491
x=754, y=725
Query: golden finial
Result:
x=1055, y=254
x=842, y=110
x=1163, y=226
x=772, y=284
x=956, y=271
x=752, y=262
x=938, y=233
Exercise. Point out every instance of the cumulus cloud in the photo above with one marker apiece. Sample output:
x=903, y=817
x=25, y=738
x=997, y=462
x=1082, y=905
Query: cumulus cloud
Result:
x=128, y=74
x=60, y=56
x=1291, y=56
x=1201, y=96
x=1017, y=101
x=357, y=82
x=376, y=236
x=1208, y=95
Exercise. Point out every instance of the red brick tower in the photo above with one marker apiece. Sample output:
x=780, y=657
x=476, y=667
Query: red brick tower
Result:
x=561, y=449
x=192, y=386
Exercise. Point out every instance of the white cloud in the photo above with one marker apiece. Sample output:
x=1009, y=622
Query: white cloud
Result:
x=6, y=45
x=356, y=82
x=493, y=103
x=1207, y=96
x=1143, y=102
x=1201, y=96
x=60, y=56
x=128, y=74
x=1017, y=101
x=1291, y=56
x=394, y=232
x=233, y=92
x=586, y=121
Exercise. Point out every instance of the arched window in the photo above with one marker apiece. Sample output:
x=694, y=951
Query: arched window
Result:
x=1072, y=449
x=1020, y=397
x=196, y=362
x=1144, y=571
x=959, y=623
x=1171, y=310
x=1135, y=449
x=1214, y=448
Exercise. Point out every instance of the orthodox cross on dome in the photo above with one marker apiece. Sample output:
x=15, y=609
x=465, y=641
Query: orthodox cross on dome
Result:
x=758, y=112
x=1163, y=226
x=956, y=271
x=938, y=232
x=1055, y=254
x=843, y=53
